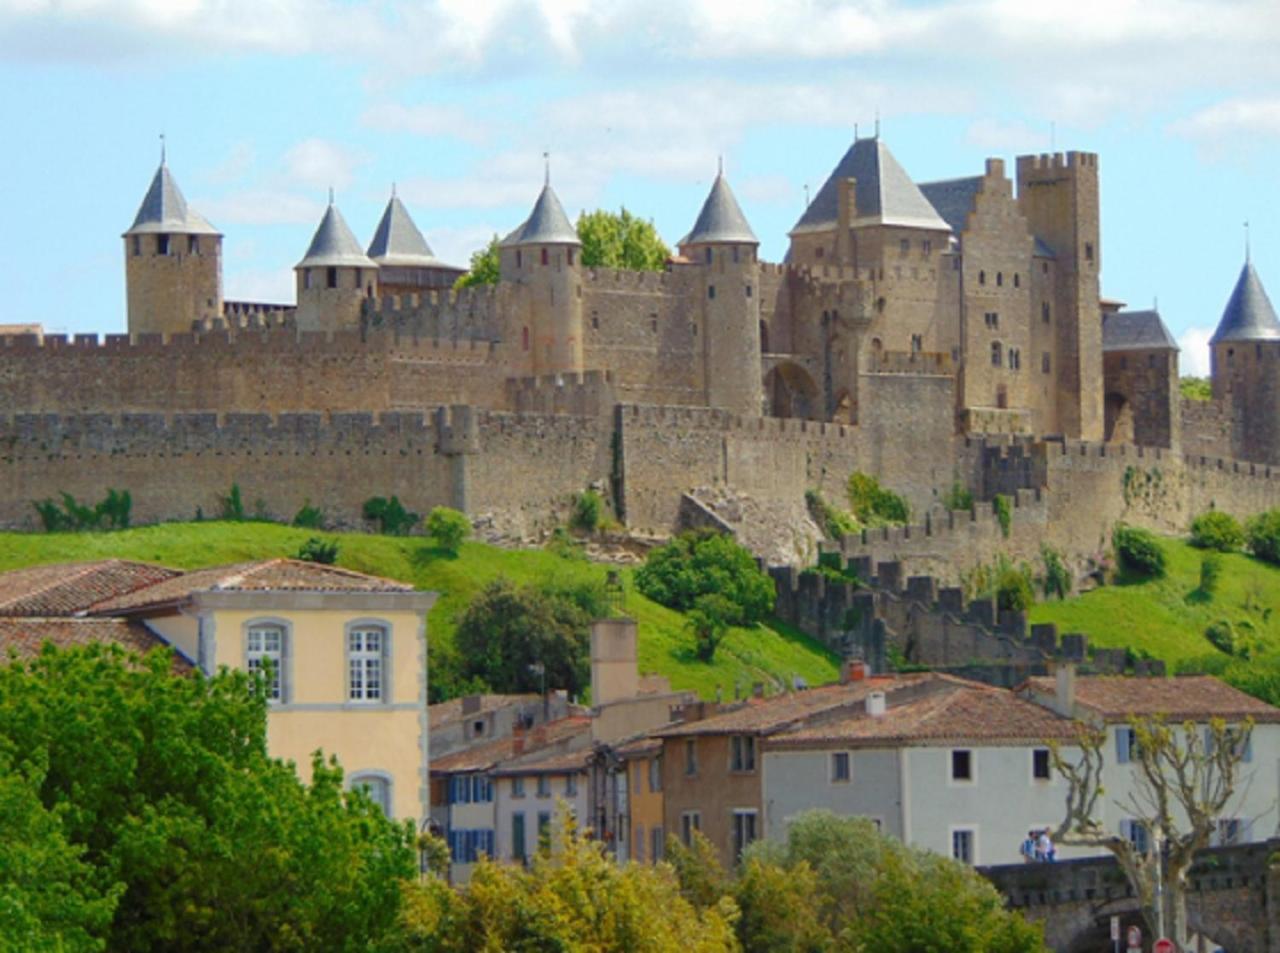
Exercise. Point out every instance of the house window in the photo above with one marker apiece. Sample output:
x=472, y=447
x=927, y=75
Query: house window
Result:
x=477, y=728
x=639, y=843
x=366, y=647
x=963, y=844
x=544, y=786
x=657, y=845
x=962, y=765
x=1040, y=767
x=1231, y=830
x=376, y=787
x=744, y=753
x=544, y=823
x=517, y=787
x=840, y=767
x=637, y=777
x=744, y=831
x=996, y=354
x=265, y=646
x=1126, y=745
x=1136, y=833
x=655, y=773
x=162, y=244
x=690, y=821
x=690, y=757
x=1044, y=362
x=468, y=846
x=331, y=277
x=711, y=291
x=1044, y=311
x=518, y=837
x=571, y=785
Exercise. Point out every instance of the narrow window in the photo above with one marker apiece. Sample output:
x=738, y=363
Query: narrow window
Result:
x=544, y=786
x=999, y=279
x=748, y=291
x=962, y=844
x=569, y=256
x=1017, y=280
x=331, y=277
x=840, y=767
x=1044, y=311
x=1040, y=769
x=545, y=256
x=162, y=244
x=137, y=245
x=744, y=831
x=744, y=753
x=1151, y=358
x=519, y=258
x=193, y=244
x=961, y=765
x=477, y=728
x=637, y=777
x=544, y=823
x=1044, y=362
x=708, y=256
x=820, y=252
x=595, y=320
x=517, y=786
x=524, y=338
x=376, y=788
x=306, y=278
x=658, y=848
x=927, y=247
x=711, y=291
x=655, y=774
x=1135, y=832
x=917, y=343
x=735, y=254
x=1124, y=363
x=982, y=277
x=690, y=757
x=266, y=646
x=359, y=282
x=690, y=821
x=904, y=246
x=518, y=837
x=365, y=648
x=1088, y=251
x=996, y=354
x=571, y=785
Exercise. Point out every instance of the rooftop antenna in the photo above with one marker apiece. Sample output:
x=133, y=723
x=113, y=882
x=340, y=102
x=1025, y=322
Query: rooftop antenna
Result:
x=877, y=135
x=162, y=149
x=720, y=164
x=331, y=195
x=806, y=194
x=1246, y=243
x=546, y=161
x=393, y=190
x=855, y=132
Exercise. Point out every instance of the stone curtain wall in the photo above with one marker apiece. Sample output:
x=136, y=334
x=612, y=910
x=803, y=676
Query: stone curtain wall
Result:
x=1207, y=428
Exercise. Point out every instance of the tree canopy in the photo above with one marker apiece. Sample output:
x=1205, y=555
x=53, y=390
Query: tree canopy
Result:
x=621, y=240
x=697, y=564
x=152, y=798
x=484, y=267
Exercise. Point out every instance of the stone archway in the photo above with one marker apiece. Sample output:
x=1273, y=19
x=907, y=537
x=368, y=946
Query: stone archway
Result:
x=1118, y=418
x=790, y=391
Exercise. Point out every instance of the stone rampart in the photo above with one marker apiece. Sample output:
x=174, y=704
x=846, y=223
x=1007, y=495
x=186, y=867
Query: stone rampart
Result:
x=1208, y=427
x=589, y=394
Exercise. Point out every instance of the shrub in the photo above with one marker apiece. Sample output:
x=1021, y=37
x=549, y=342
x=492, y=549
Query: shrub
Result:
x=564, y=545
x=1222, y=636
x=874, y=505
x=709, y=621
x=390, y=515
x=1057, y=577
x=448, y=528
x=231, y=506
x=1217, y=530
x=317, y=550
x=1003, y=508
x=1210, y=573
x=703, y=562
x=1138, y=551
x=1013, y=590
x=835, y=523
x=1263, y=532
x=587, y=512
x=112, y=512
x=309, y=517
x=958, y=497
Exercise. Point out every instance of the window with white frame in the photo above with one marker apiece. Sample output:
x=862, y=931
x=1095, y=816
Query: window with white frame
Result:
x=366, y=652
x=264, y=648
x=376, y=787
x=964, y=844
x=840, y=767
x=744, y=830
x=517, y=786
x=1126, y=745
x=962, y=766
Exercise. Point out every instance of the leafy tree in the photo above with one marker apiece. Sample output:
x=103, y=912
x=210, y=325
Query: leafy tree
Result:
x=112, y=512
x=780, y=909
x=485, y=267
x=1013, y=590
x=317, y=550
x=1183, y=781
x=165, y=785
x=505, y=631
x=588, y=511
x=709, y=621
x=1210, y=574
x=700, y=563
x=698, y=870
x=1138, y=551
x=1056, y=580
x=1217, y=530
x=448, y=528
x=872, y=504
x=620, y=240
x=390, y=515
x=1196, y=388
x=1263, y=532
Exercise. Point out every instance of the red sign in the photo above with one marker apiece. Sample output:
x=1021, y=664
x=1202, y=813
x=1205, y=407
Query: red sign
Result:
x=1164, y=945
x=1135, y=938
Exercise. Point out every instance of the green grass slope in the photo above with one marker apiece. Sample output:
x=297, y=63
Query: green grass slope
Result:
x=772, y=652
x=1167, y=617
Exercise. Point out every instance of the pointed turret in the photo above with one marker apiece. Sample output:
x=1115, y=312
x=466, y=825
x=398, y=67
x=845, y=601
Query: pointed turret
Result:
x=334, y=276
x=173, y=262
x=406, y=263
x=547, y=224
x=721, y=219
x=1248, y=315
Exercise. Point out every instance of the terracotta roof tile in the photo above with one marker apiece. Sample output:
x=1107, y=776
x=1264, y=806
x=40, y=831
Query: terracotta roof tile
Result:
x=1194, y=697
x=24, y=638
x=484, y=757
x=443, y=713
x=551, y=762
x=63, y=589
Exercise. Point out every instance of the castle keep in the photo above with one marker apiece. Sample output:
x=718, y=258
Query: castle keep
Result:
x=909, y=327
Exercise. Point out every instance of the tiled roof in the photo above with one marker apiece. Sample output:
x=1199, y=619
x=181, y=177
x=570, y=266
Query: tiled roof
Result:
x=164, y=209
x=1196, y=697
x=1248, y=315
x=1136, y=331
x=639, y=747
x=957, y=712
x=486, y=756
x=884, y=193
x=554, y=762
x=333, y=245
x=63, y=589
x=443, y=713
x=547, y=224
x=721, y=218
x=767, y=715
x=25, y=637
x=270, y=575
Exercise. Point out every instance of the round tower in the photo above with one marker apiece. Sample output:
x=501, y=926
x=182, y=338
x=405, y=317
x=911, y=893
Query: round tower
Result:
x=334, y=277
x=172, y=262
x=544, y=256
x=1245, y=362
x=724, y=246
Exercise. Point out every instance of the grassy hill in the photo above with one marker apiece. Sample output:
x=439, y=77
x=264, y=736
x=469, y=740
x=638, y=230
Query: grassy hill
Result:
x=1167, y=617
x=770, y=653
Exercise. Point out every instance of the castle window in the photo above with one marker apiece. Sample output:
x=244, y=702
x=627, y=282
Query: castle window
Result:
x=1257, y=352
x=545, y=257
x=331, y=277
x=992, y=319
x=819, y=252
x=1044, y=363
x=1015, y=359
x=653, y=324
x=999, y=279
x=162, y=244
x=306, y=277
x=711, y=291
x=358, y=280
x=1044, y=311
x=997, y=354
x=748, y=291
x=982, y=277
x=1088, y=251
x=735, y=254
x=524, y=338
x=904, y=246
x=1151, y=358
x=519, y=259
x=595, y=320
x=880, y=305
x=1124, y=363
x=569, y=253
x=1044, y=267
x=193, y=245
x=1017, y=280
x=137, y=246
x=927, y=246
x=708, y=256
x=917, y=343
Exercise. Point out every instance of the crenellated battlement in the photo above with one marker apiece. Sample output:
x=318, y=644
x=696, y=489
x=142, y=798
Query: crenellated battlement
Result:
x=911, y=362
x=586, y=394
x=625, y=281
x=706, y=418
x=1057, y=162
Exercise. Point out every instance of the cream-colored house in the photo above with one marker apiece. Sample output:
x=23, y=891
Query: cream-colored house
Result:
x=347, y=652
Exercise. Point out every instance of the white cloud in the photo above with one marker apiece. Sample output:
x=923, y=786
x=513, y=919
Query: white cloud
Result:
x=261, y=207
x=1232, y=117
x=769, y=190
x=239, y=160
x=426, y=119
x=996, y=136
x=455, y=245
x=322, y=164
x=1194, y=359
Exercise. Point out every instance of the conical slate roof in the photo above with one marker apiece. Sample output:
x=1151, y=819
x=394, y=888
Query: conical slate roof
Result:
x=333, y=245
x=397, y=240
x=1248, y=315
x=547, y=224
x=163, y=209
x=884, y=192
x=721, y=218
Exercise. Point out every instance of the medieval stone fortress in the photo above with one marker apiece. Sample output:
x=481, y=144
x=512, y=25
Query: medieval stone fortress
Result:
x=926, y=333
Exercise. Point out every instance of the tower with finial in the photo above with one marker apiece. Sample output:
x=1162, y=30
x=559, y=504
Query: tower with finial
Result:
x=172, y=261
x=542, y=260
x=406, y=263
x=722, y=243
x=334, y=277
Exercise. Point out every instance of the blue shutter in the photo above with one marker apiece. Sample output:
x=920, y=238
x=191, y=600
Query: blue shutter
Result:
x=1122, y=746
x=1248, y=749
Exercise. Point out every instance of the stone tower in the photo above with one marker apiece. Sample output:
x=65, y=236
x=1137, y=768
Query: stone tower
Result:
x=172, y=262
x=543, y=257
x=1245, y=356
x=1058, y=195
x=723, y=245
x=406, y=263
x=334, y=277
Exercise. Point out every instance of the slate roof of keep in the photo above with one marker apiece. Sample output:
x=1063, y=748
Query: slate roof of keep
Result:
x=884, y=192
x=953, y=199
x=270, y=575
x=398, y=242
x=721, y=218
x=334, y=245
x=1188, y=697
x=547, y=224
x=164, y=209
x=24, y=638
x=63, y=589
x=1248, y=315
x=1136, y=331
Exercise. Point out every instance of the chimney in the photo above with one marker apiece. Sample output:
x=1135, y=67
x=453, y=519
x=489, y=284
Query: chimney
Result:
x=517, y=742
x=614, y=672
x=876, y=704
x=852, y=670
x=1064, y=690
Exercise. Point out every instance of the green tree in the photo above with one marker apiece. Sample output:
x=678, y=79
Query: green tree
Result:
x=1214, y=529
x=700, y=563
x=872, y=504
x=1196, y=388
x=709, y=622
x=1263, y=532
x=317, y=550
x=165, y=784
x=485, y=265
x=390, y=515
x=448, y=529
x=701, y=876
x=780, y=909
x=620, y=240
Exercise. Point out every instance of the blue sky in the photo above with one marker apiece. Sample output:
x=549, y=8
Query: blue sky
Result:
x=267, y=103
